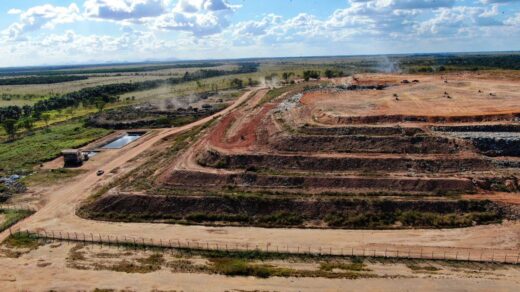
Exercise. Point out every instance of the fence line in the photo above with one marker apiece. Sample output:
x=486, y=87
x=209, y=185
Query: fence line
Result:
x=423, y=253
x=17, y=207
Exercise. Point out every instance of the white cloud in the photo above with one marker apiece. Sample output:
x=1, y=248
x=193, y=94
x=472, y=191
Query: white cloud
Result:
x=200, y=17
x=203, y=29
x=14, y=11
x=124, y=9
x=459, y=19
x=498, y=1
x=45, y=16
x=513, y=21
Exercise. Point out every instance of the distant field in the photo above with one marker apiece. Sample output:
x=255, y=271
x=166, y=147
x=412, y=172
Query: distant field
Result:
x=61, y=88
x=45, y=90
x=222, y=83
x=94, y=69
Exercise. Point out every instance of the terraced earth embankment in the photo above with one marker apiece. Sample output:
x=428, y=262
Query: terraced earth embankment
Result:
x=278, y=164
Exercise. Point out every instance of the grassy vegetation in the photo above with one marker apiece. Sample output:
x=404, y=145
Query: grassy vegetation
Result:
x=22, y=240
x=52, y=176
x=23, y=154
x=11, y=217
x=239, y=267
x=251, y=263
x=335, y=265
x=411, y=219
x=144, y=265
x=422, y=268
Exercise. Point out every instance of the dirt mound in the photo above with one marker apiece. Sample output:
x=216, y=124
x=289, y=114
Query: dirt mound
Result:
x=368, y=144
x=378, y=119
x=387, y=163
x=205, y=180
x=361, y=130
x=288, y=212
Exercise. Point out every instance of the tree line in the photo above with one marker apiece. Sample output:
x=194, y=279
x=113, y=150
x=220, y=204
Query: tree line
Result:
x=68, y=70
x=40, y=80
x=103, y=94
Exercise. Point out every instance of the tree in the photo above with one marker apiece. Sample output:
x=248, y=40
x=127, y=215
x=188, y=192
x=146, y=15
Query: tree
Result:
x=46, y=118
x=329, y=73
x=27, y=123
x=100, y=105
x=214, y=87
x=311, y=74
x=27, y=110
x=287, y=75
x=9, y=126
x=237, y=83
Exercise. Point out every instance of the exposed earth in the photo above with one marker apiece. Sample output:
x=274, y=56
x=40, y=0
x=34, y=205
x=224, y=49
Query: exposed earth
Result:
x=371, y=161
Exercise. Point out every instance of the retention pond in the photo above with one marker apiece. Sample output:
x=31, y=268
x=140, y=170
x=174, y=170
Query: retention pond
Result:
x=123, y=141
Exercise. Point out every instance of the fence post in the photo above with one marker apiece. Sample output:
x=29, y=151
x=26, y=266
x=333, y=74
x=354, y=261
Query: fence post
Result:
x=517, y=258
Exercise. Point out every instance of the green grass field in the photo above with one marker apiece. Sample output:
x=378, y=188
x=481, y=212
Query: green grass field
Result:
x=24, y=153
x=9, y=217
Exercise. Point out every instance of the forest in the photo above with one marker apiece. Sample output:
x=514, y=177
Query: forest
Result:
x=40, y=80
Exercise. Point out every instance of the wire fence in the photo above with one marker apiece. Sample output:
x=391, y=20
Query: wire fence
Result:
x=502, y=256
x=18, y=207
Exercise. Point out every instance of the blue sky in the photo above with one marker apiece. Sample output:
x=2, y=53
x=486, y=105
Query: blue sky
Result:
x=45, y=32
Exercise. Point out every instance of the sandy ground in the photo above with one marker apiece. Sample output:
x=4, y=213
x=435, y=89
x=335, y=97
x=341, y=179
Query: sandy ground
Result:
x=461, y=95
x=48, y=268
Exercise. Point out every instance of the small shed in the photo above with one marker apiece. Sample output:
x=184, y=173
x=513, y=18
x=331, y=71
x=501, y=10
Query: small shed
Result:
x=72, y=157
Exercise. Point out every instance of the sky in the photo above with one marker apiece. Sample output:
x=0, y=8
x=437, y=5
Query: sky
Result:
x=57, y=32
